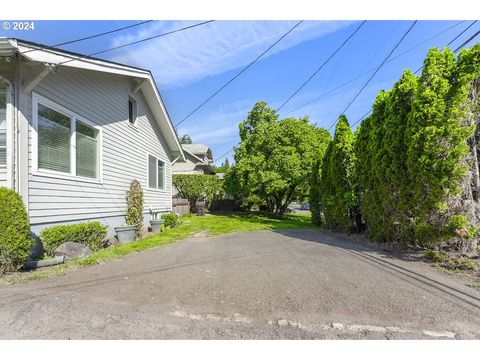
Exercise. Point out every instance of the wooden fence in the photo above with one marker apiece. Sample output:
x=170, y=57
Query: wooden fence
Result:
x=180, y=206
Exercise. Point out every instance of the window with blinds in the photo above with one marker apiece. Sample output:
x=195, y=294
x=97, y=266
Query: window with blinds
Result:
x=54, y=134
x=156, y=173
x=3, y=124
x=87, y=151
x=66, y=144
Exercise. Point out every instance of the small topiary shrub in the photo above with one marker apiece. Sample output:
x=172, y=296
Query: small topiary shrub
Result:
x=170, y=220
x=15, y=239
x=90, y=234
x=135, y=207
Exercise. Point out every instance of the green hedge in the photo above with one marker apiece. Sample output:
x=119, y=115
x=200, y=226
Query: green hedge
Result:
x=15, y=239
x=90, y=234
x=170, y=220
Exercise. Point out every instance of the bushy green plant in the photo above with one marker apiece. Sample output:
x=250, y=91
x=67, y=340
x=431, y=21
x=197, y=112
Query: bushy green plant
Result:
x=135, y=207
x=15, y=239
x=90, y=234
x=170, y=220
x=198, y=187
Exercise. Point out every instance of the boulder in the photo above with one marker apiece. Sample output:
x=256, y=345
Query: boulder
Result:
x=72, y=250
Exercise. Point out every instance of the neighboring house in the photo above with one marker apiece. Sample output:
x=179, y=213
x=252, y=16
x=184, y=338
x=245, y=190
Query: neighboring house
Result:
x=76, y=130
x=198, y=160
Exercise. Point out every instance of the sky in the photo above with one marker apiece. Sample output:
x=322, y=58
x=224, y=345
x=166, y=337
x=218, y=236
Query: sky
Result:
x=191, y=65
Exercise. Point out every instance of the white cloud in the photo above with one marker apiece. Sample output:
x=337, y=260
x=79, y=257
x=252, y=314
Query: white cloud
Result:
x=212, y=49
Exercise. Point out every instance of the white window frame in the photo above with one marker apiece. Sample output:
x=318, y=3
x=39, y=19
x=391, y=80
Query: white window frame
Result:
x=132, y=99
x=8, y=166
x=36, y=99
x=164, y=174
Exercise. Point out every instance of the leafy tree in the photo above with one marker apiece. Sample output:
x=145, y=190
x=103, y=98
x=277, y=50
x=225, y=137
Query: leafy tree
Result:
x=185, y=139
x=197, y=188
x=274, y=159
x=337, y=196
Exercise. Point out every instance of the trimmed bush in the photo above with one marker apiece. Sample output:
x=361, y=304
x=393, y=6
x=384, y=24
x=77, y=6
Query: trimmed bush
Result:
x=90, y=234
x=135, y=207
x=170, y=220
x=15, y=239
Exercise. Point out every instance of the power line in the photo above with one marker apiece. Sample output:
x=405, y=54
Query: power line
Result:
x=238, y=74
x=373, y=69
x=456, y=50
x=91, y=36
x=376, y=71
x=226, y=153
x=137, y=42
x=455, y=38
x=321, y=66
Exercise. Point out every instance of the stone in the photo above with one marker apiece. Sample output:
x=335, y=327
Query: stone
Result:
x=282, y=322
x=72, y=250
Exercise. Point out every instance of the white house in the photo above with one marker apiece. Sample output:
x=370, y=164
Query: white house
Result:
x=198, y=160
x=74, y=132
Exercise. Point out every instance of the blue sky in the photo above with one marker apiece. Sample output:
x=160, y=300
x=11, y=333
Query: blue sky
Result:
x=189, y=66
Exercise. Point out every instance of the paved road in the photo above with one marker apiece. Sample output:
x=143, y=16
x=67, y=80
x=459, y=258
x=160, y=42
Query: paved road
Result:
x=295, y=284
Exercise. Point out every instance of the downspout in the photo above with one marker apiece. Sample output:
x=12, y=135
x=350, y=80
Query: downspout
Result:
x=15, y=152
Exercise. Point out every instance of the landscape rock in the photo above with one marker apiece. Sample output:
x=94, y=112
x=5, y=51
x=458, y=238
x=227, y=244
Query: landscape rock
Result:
x=72, y=250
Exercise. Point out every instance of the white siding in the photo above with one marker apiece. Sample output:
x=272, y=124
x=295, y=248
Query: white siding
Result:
x=7, y=71
x=102, y=99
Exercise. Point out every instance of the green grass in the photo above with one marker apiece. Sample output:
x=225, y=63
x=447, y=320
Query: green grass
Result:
x=211, y=225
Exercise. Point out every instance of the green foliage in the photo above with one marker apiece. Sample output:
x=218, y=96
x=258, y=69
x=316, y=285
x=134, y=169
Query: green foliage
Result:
x=197, y=188
x=338, y=199
x=412, y=153
x=185, y=139
x=170, y=220
x=223, y=168
x=15, y=239
x=134, y=214
x=274, y=160
x=435, y=256
x=90, y=234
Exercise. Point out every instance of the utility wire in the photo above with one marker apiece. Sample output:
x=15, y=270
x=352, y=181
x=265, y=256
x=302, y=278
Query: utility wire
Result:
x=455, y=38
x=138, y=41
x=91, y=36
x=373, y=69
x=238, y=74
x=376, y=71
x=456, y=50
x=226, y=153
x=321, y=66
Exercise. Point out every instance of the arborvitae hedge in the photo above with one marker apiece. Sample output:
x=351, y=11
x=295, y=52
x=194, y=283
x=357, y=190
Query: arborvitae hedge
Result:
x=411, y=172
x=417, y=166
x=337, y=196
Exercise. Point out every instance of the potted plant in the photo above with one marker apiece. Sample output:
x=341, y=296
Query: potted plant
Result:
x=128, y=232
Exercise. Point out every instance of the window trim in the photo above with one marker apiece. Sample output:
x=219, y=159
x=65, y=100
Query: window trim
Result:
x=36, y=99
x=8, y=129
x=164, y=189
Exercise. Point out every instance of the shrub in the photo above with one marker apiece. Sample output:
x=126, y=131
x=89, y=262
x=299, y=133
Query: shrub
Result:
x=435, y=256
x=90, y=234
x=15, y=239
x=170, y=220
x=135, y=207
x=196, y=188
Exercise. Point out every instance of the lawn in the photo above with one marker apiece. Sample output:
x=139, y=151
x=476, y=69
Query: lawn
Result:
x=210, y=225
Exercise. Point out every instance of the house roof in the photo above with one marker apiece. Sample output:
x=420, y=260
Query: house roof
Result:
x=198, y=149
x=53, y=56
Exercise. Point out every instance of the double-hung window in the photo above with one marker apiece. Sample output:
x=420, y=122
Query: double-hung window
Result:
x=66, y=144
x=3, y=123
x=156, y=173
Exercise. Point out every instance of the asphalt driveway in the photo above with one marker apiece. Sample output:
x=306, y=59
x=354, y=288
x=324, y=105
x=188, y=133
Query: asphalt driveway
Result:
x=292, y=284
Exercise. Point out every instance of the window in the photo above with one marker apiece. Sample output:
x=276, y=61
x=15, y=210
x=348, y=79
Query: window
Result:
x=87, y=151
x=3, y=123
x=54, y=146
x=132, y=111
x=156, y=173
x=65, y=144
